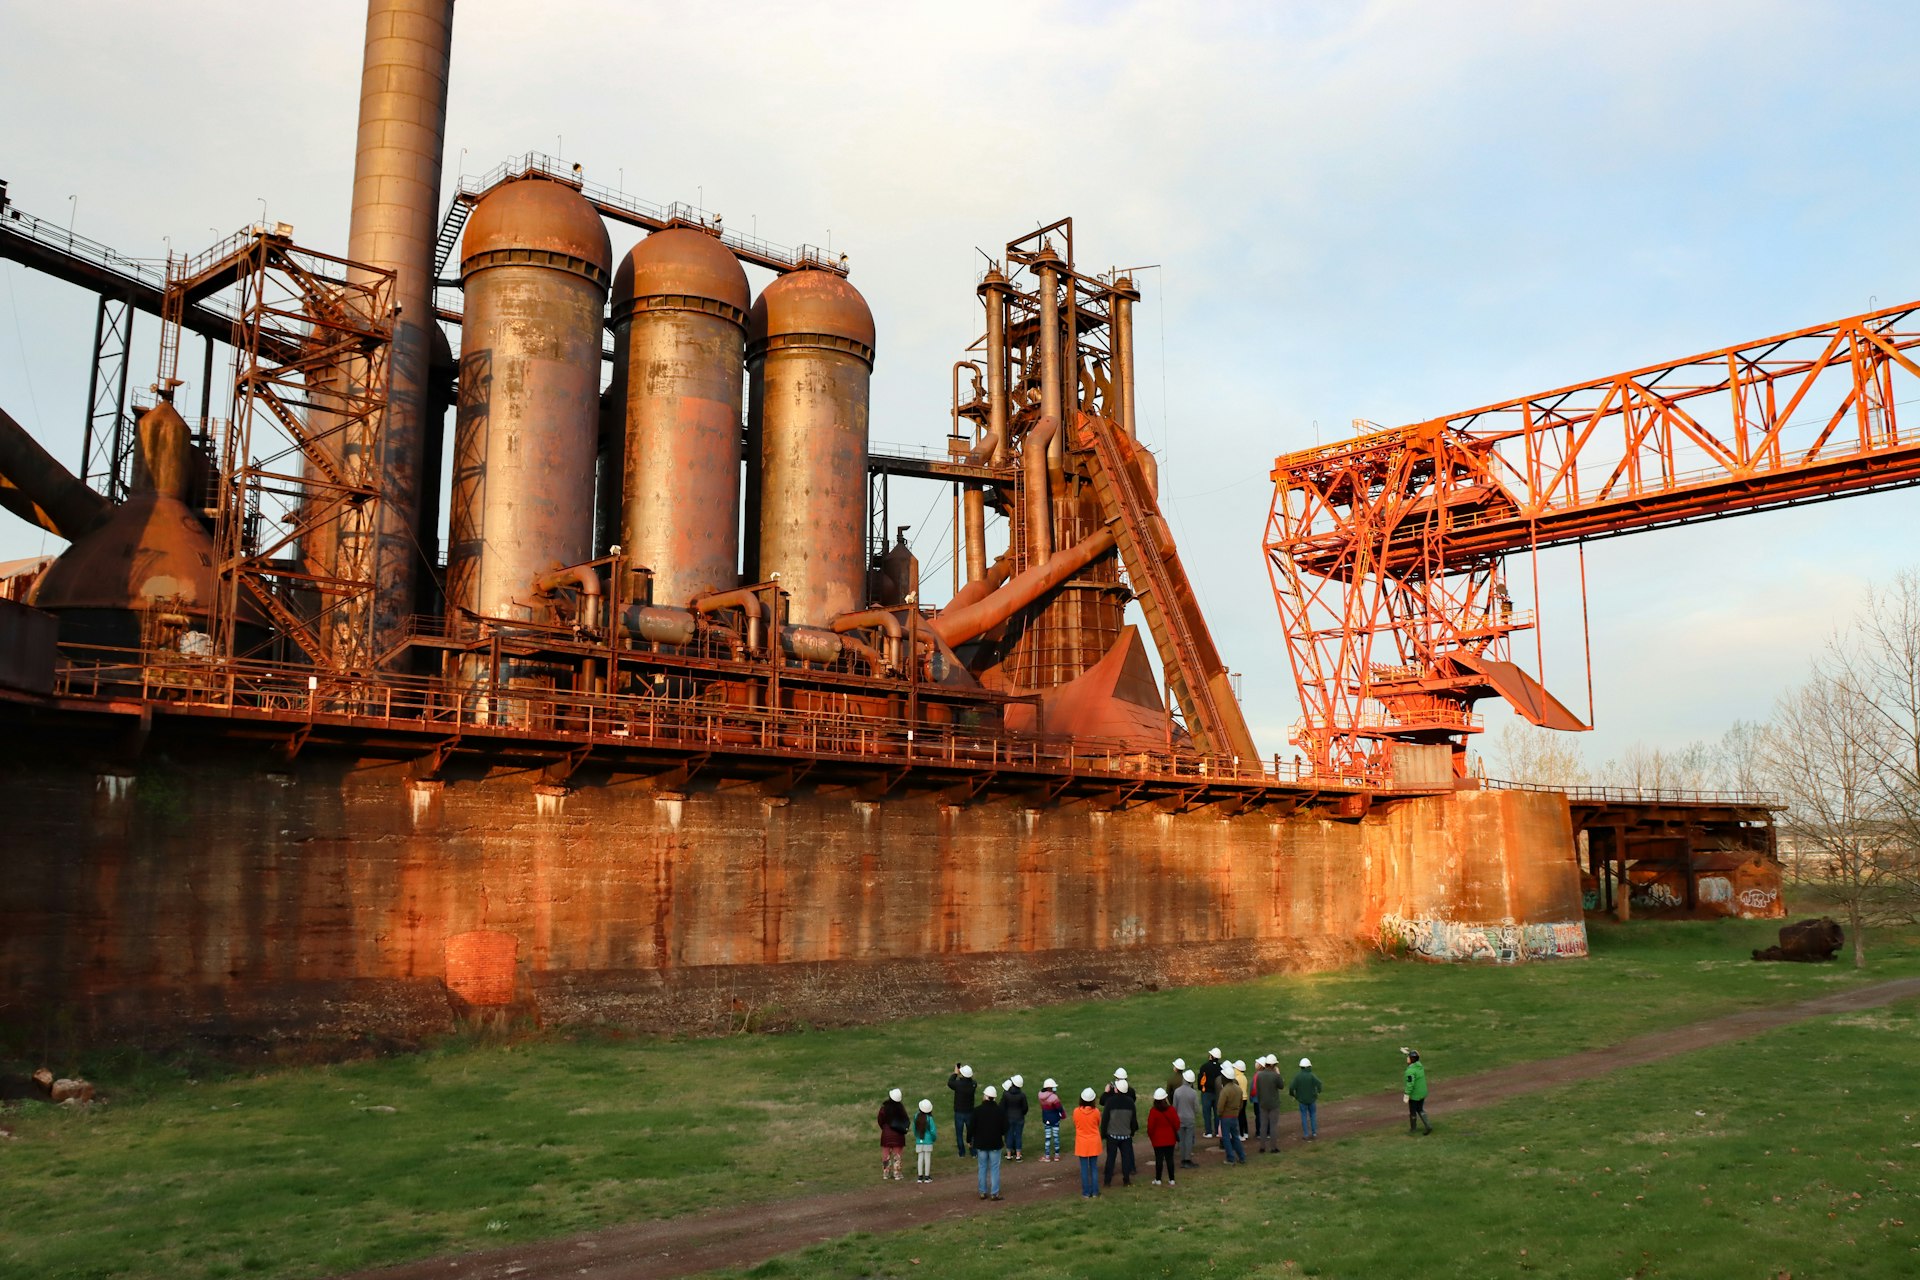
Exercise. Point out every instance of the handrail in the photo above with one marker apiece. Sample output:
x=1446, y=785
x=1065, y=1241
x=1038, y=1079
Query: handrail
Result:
x=1647, y=795
x=278, y=691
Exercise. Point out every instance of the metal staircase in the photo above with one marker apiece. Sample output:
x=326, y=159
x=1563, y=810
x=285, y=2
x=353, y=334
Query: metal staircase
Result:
x=1194, y=671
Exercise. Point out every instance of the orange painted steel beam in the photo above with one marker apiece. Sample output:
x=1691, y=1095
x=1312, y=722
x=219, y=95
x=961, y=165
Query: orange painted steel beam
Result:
x=1386, y=551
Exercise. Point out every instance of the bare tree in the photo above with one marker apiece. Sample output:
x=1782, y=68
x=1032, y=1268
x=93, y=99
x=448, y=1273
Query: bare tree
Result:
x=1538, y=757
x=1821, y=754
x=1738, y=760
x=1646, y=768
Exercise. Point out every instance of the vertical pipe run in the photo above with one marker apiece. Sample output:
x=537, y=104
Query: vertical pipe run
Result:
x=1124, y=296
x=1046, y=265
x=395, y=221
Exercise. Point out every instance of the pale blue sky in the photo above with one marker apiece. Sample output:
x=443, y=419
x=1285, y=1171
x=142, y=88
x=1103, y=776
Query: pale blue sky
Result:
x=1384, y=210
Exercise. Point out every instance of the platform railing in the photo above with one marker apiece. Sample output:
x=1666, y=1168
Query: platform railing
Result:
x=293, y=695
x=1646, y=795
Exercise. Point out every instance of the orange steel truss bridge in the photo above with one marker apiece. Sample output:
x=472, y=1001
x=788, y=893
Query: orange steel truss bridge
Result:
x=1387, y=551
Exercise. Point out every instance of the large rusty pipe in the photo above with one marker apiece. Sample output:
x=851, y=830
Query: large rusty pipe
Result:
x=957, y=626
x=1047, y=266
x=1039, y=496
x=395, y=223
x=994, y=292
x=995, y=578
x=60, y=502
x=1124, y=296
x=747, y=600
x=887, y=622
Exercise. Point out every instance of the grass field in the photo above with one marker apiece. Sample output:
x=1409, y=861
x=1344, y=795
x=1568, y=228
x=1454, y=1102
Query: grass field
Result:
x=1790, y=1154
x=305, y=1171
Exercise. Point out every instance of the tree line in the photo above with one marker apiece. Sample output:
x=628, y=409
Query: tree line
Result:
x=1841, y=752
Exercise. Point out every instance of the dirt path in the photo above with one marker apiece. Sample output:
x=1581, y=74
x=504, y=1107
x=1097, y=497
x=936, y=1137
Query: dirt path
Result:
x=702, y=1242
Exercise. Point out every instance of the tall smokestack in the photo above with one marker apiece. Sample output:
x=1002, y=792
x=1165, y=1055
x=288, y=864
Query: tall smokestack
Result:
x=396, y=219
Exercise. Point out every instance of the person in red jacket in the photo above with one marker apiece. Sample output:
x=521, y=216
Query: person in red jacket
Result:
x=1163, y=1131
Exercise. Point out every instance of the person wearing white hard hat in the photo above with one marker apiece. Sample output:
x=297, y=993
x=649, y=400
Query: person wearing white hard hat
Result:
x=1233, y=1096
x=1119, y=1121
x=1245, y=1077
x=1267, y=1086
x=1052, y=1112
x=893, y=1136
x=1173, y=1080
x=1163, y=1135
x=1087, y=1142
x=924, y=1134
x=1013, y=1097
x=989, y=1137
x=961, y=1082
x=1186, y=1105
x=1210, y=1093
x=1306, y=1091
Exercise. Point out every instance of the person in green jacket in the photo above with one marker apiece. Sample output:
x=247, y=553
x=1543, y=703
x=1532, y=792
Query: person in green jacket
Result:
x=1306, y=1091
x=1414, y=1093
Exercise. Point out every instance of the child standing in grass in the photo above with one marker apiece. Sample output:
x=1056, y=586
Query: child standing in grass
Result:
x=1087, y=1142
x=924, y=1132
x=1052, y=1112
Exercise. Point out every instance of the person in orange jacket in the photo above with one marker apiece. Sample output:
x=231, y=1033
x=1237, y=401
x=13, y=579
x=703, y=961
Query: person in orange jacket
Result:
x=1088, y=1142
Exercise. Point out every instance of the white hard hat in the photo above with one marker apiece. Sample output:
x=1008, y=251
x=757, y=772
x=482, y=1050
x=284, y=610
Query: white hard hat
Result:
x=894, y=1094
x=926, y=1105
x=1214, y=1052
x=1179, y=1064
x=1049, y=1083
x=1226, y=1069
x=967, y=1072
x=1240, y=1065
x=1119, y=1073
x=1120, y=1086
x=1086, y=1094
x=1187, y=1076
x=992, y=1092
x=1305, y=1063
x=1018, y=1083
x=1159, y=1095
x=1006, y=1084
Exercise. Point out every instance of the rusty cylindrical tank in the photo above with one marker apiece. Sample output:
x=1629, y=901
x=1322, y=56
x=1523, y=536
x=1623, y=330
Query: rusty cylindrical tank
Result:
x=679, y=333
x=395, y=222
x=534, y=264
x=809, y=363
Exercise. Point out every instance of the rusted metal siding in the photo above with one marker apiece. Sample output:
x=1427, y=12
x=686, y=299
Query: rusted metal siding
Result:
x=343, y=900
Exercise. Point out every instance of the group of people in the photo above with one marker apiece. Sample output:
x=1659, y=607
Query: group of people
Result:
x=1214, y=1101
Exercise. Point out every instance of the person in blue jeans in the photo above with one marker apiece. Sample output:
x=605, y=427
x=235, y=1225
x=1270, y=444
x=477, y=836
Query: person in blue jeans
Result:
x=989, y=1136
x=1088, y=1143
x=961, y=1082
x=1232, y=1096
x=1013, y=1098
x=1306, y=1091
x=1052, y=1112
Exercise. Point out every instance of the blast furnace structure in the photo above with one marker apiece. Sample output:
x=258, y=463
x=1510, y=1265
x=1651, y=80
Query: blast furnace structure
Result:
x=676, y=734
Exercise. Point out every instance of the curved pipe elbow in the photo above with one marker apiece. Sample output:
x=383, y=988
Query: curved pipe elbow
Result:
x=744, y=599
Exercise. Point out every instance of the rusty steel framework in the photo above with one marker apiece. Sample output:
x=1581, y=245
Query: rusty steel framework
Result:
x=304, y=319
x=1387, y=552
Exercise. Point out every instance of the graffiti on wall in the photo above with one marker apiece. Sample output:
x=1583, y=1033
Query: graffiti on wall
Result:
x=1758, y=899
x=1494, y=943
x=1657, y=894
x=1715, y=889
